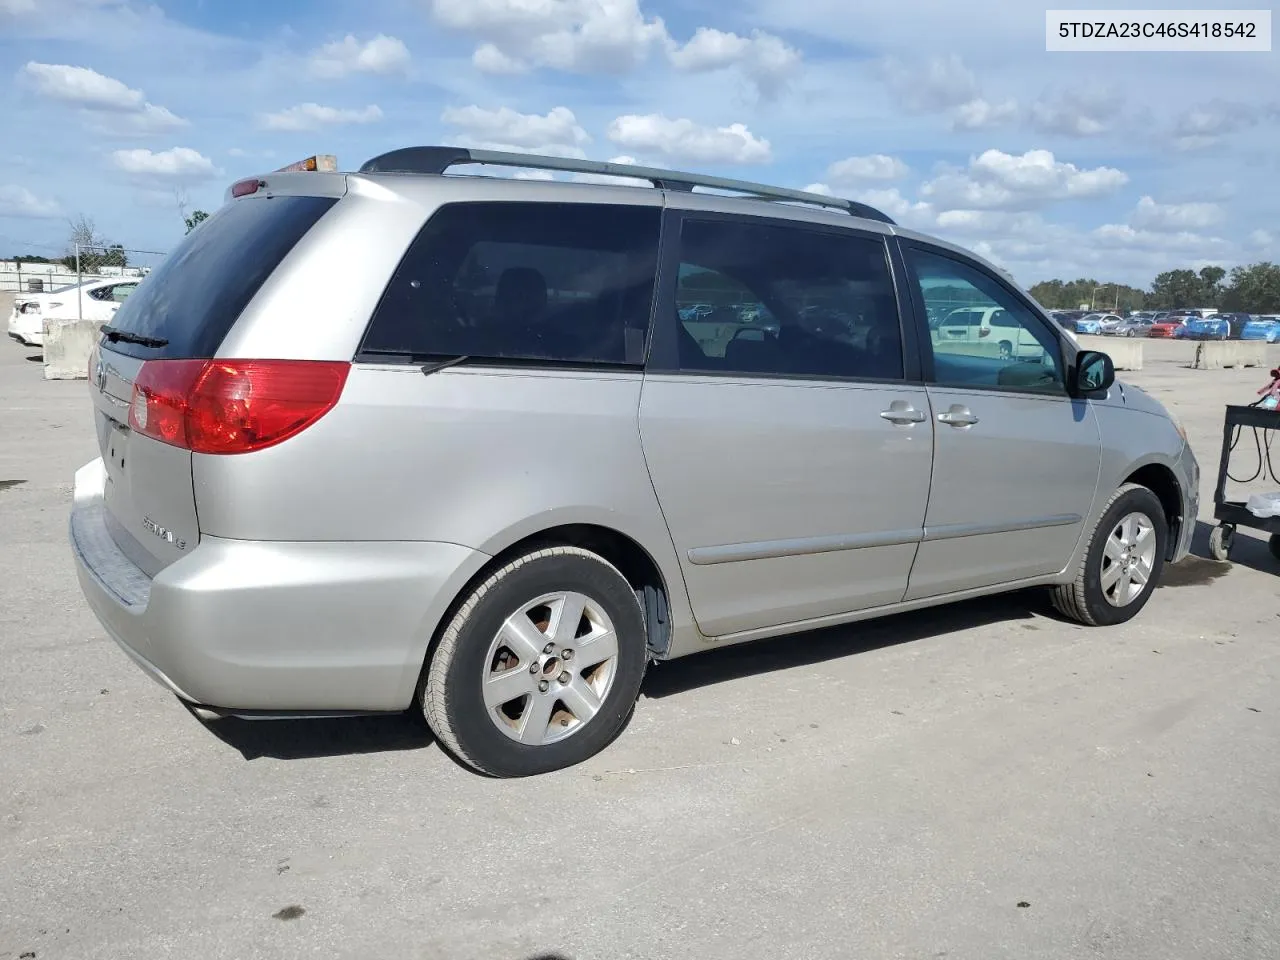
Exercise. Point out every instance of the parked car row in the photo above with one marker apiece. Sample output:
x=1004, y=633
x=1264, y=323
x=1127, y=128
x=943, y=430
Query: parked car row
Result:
x=1175, y=324
x=98, y=301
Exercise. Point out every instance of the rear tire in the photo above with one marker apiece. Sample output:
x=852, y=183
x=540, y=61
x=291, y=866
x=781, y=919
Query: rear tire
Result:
x=1122, y=563
x=519, y=685
x=1274, y=544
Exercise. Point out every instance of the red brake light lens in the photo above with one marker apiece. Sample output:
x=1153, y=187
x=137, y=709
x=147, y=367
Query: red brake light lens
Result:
x=245, y=187
x=232, y=406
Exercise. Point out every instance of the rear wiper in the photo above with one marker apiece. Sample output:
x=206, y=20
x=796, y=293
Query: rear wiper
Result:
x=115, y=336
x=430, y=368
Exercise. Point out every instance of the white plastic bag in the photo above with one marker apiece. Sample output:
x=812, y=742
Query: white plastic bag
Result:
x=1264, y=504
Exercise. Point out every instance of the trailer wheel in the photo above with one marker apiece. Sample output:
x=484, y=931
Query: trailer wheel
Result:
x=1220, y=540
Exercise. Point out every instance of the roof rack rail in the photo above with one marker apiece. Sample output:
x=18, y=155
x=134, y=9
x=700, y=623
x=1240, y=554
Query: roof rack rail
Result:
x=436, y=160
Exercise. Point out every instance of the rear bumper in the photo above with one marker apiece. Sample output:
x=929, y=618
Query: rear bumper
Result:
x=287, y=627
x=24, y=331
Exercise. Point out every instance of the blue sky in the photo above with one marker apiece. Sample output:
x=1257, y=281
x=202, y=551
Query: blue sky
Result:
x=949, y=115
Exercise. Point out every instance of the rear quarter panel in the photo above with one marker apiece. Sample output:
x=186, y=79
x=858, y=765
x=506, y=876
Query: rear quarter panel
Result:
x=479, y=457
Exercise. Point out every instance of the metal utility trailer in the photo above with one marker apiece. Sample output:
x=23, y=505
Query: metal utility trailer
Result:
x=1233, y=513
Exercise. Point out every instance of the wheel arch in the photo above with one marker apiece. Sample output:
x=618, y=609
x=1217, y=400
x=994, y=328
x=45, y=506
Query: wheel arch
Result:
x=1161, y=480
x=626, y=553
x=657, y=591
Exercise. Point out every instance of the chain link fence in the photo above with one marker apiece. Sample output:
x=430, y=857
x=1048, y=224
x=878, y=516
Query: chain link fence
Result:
x=78, y=265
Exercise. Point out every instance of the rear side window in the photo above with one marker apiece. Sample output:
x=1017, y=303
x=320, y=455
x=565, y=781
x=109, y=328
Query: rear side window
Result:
x=194, y=297
x=524, y=281
x=786, y=302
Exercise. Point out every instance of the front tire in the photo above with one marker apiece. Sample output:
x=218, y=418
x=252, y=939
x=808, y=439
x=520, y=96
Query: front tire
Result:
x=540, y=666
x=1122, y=563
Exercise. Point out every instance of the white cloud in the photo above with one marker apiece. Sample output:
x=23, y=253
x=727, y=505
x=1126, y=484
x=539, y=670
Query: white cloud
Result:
x=81, y=87
x=381, y=55
x=150, y=120
x=180, y=163
x=819, y=188
x=1204, y=125
x=1181, y=244
x=710, y=49
x=1261, y=238
x=606, y=36
x=876, y=166
x=767, y=61
x=112, y=107
x=998, y=180
x=918, y=214
x=20, y=202
x=981, y=114
x=939, y=84
x=1175, y=217
x=682, y=139
x=986, y=221
x=1076, y=113
x=489, y=59
x=313, y=116
x=557, y=133
x=582, y=36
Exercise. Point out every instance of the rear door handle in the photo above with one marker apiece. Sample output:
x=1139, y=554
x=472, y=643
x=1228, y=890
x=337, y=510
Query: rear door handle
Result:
x=900, y=411
x=958, y=416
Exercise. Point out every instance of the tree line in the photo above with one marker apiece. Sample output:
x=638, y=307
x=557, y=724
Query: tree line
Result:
x=1246, y=289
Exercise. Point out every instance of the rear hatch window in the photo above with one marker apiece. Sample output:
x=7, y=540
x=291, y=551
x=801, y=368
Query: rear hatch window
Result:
x=194, y=297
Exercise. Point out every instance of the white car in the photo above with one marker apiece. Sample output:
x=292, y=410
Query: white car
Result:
x=99, y=300
x=991, y=324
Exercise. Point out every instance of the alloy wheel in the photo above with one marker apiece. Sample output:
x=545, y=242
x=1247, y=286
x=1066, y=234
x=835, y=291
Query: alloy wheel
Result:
x=1128, y=559
x=550, y=668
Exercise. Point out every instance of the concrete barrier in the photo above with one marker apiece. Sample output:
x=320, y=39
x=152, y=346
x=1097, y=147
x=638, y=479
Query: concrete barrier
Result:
x=67, y=345
x=1217, y=354
x=1125, y=352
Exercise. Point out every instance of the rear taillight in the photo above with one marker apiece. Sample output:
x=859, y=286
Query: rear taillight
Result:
x=232, y=406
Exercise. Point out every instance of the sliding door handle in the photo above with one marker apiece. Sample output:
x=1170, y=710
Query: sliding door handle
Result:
x=958, y=416
x=900, y=411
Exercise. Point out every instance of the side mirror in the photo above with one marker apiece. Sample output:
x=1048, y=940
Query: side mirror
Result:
x=1094, y=372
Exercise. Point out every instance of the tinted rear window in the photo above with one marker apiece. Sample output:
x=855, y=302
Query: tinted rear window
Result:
x=534, y=281
x=194, y=297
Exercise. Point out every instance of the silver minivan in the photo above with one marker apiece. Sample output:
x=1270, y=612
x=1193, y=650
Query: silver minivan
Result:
x=489, y=446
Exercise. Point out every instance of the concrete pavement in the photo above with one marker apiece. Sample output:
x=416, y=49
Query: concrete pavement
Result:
x=983, y=781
